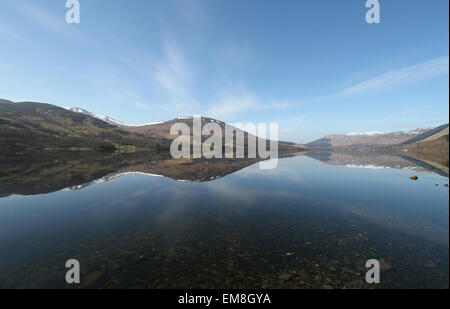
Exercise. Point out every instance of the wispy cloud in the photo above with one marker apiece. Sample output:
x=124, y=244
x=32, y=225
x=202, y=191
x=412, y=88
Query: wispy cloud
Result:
x=193, y=11
x=403, y=76
x=230, y=104
x=233, y=101
x=8, y=32
x=175, y=75
x=40, y=16
x=49, y=20
x=142, y=106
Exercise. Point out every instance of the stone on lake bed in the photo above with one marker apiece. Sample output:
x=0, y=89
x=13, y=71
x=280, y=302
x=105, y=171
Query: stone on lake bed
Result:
x=91, y=278
x=284, y=277
x=384, y=265
x=429, y=264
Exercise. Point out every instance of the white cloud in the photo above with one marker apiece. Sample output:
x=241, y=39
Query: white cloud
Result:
x=231, y=104
x=49, y=20
x=42, y=17
x=406, y=75
x=234, y=100
x=193, y=12
x=142, y=106
x=7, y=32
x=175, y=76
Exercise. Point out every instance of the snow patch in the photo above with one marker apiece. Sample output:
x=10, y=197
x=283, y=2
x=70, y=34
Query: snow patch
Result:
x=110, y=120
x=371, y=133
x=109, y=178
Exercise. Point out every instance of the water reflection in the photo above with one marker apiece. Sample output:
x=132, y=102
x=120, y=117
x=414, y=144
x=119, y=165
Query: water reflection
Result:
x=378, y=160
x=305, y=224
x=52, y=171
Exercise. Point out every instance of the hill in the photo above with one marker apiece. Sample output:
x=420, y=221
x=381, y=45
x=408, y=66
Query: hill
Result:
x=161, y=130
x=431, y=146
x=31, y=125
x=28, y=126
x=428, y=135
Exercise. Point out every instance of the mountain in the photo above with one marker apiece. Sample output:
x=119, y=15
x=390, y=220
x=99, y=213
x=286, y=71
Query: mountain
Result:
x=31, y=125
x=432, y=146
x=428, y=146
x=161, y=129
x=377, y=160
x=428, y=135
x=365, y=138
x=108, y=119
x=44, y=172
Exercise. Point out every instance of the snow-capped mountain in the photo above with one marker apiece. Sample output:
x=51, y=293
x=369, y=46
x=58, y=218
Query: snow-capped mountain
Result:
x=366, y=138
x=371, y=133
x=108, y=119
x=375, y=133
x=80, y=110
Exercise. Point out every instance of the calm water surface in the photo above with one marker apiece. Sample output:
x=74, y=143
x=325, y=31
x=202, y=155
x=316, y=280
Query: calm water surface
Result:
x=305, y=224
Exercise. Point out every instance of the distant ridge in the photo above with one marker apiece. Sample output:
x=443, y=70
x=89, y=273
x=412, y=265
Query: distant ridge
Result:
x=366, y=138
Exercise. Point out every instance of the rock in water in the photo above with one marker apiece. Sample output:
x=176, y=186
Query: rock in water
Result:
x=90, y=279
x=384, y=266
x=284, y=277
x=414, y=177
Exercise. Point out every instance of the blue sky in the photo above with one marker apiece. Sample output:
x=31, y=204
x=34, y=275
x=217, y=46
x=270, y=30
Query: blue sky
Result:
x=315, y=67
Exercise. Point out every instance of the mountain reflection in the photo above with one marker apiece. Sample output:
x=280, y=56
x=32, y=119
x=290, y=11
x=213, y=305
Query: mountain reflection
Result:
x=378, y=160
x=279, y=228
x=53, y=171
x=39, y=173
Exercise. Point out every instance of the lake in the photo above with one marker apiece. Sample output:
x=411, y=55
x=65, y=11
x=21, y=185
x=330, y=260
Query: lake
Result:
x=312, y=222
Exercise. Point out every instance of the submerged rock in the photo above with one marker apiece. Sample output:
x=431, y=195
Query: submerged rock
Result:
x=284, y=277
x=90, y=279
x=429, y=264
x=384, y=265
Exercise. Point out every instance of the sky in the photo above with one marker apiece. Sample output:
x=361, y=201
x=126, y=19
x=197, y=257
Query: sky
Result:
x=314, y=67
